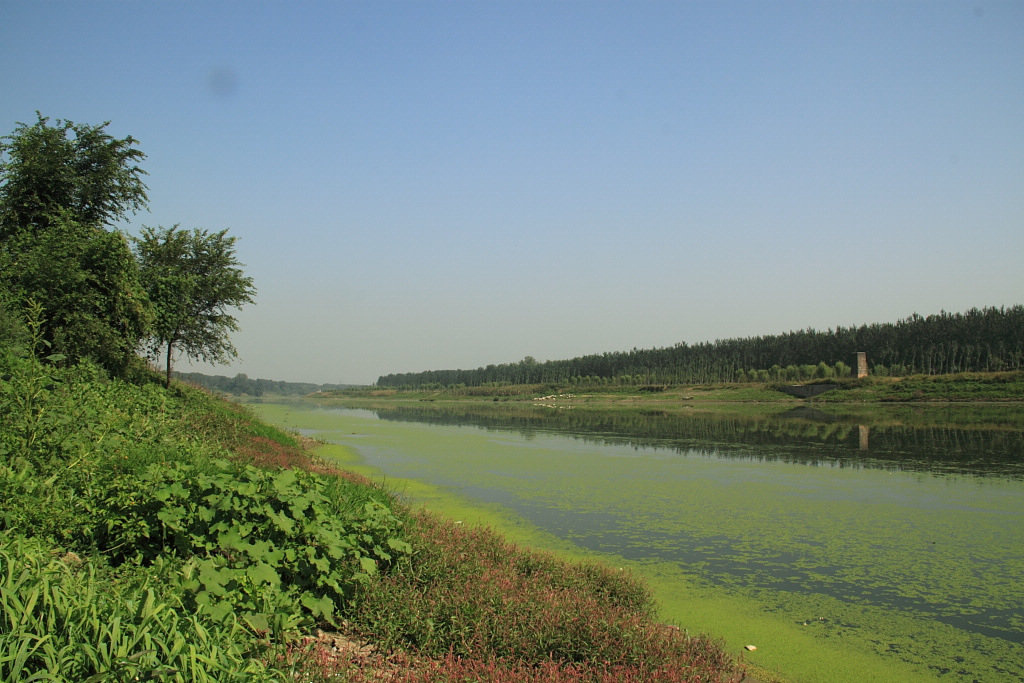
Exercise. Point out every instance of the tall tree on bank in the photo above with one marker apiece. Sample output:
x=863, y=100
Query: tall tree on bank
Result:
x=75, y=170
x=61, y=187
x=193, y=279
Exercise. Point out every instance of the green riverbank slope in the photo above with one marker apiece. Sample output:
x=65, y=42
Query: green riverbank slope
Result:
x=150, y=533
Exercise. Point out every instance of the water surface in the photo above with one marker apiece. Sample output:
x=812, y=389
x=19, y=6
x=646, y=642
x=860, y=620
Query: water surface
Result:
x=894, y=545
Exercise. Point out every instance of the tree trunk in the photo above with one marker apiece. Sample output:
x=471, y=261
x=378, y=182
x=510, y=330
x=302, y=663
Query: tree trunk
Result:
x=169, y=350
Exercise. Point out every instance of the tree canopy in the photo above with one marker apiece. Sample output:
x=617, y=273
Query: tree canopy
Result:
x=193, y=279
x=87, y=286
x=61, y=186
x=78, y=171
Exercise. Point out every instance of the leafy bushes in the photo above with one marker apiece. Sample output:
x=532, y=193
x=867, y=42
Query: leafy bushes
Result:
x=259, y=543
x=139, y=481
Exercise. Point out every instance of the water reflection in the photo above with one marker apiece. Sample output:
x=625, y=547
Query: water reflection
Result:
x=982, y=442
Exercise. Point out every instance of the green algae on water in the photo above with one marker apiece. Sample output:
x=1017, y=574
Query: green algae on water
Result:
x=836, y=569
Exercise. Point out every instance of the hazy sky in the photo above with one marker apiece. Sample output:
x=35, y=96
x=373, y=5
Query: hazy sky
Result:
x=420, y=185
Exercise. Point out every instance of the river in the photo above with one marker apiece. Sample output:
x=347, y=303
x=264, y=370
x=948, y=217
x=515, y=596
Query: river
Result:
x=887, y=545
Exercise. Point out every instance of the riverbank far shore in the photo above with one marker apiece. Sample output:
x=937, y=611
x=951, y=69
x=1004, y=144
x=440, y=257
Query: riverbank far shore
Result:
x=992, y=387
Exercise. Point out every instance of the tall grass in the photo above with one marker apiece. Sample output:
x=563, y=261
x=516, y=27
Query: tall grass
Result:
x=64, y=618
x=480, y=608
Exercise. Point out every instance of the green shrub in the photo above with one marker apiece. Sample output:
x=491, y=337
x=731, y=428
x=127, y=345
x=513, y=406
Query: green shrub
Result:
x=136, y=474
x=271, y=545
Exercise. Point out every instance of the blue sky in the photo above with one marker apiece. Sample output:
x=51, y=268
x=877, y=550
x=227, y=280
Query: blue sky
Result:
x=421, y=185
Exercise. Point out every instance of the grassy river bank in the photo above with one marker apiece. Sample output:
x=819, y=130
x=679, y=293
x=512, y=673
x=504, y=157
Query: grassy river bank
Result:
x=152, y=533
x=167, y=534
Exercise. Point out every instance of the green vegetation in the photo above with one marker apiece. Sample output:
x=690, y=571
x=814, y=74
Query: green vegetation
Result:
x=968, y=386
x=69, y=619
x=147, y=491
x=62, y=189
x=78, y=170
x=160, y=527
x=980, y=340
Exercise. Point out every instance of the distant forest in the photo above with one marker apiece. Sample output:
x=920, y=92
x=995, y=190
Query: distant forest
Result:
x=980, y=340
x=241, y=384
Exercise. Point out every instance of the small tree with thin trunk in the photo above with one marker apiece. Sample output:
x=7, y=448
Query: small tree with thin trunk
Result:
x=193, y=279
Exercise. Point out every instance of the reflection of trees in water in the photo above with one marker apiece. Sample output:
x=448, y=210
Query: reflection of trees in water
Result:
x=802, y=435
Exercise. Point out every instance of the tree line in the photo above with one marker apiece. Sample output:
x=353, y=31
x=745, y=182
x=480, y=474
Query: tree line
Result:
x=242, y=384
x=978, y=340
x=74, y=288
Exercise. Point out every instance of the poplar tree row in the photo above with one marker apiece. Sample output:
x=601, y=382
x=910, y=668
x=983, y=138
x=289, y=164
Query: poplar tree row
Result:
x=978, y=340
